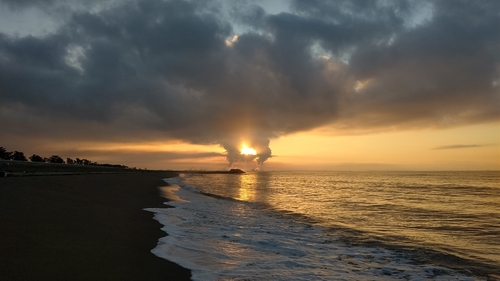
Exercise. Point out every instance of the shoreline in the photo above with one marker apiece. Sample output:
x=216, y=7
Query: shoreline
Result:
x=83, y=227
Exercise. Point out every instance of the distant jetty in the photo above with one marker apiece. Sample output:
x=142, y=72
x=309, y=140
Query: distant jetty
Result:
x=232, y=171
x=236, y=171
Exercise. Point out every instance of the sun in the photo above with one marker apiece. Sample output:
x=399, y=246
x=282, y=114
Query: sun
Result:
x=245, y=150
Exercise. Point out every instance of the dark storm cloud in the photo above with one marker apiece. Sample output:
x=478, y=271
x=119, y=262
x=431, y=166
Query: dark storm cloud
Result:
x=25, y=3
x=442, y=72
x=52, y=4
x=163, y=69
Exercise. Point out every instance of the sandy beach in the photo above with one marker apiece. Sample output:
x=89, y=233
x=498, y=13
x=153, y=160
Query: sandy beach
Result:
x=83, y=227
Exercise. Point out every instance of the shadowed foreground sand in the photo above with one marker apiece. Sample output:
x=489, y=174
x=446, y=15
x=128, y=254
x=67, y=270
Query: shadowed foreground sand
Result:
x=82, y=227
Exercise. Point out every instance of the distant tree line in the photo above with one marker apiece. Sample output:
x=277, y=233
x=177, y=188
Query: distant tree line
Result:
x=19, y=156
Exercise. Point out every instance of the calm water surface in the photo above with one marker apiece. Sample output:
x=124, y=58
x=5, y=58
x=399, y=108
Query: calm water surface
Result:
x=457, y=212
x=300, y=223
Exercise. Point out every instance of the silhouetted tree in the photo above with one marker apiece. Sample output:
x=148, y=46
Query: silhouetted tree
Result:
x=18, y=156
x=56, y=159
x=70, y=161
x=36, y=158
x=78, y=161
x=4, y=154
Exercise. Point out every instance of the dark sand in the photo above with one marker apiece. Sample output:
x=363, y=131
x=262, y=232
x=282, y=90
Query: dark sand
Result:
x=82, y=227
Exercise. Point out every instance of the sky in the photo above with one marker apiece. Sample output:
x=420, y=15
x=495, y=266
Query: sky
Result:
x=314, y=85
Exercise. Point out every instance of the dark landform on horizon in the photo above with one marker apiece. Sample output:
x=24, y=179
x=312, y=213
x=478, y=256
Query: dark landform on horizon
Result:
x=10, y=168
x=16, y=164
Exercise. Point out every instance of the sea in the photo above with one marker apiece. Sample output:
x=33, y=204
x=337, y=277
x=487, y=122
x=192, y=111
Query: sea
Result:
x=293, y=225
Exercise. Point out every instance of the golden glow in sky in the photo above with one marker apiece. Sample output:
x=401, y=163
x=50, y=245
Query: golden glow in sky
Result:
x=475, y=147
x=245, y=150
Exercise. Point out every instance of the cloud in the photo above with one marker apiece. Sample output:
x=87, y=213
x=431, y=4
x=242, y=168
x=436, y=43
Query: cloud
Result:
x=162, y=70
x=457, y=146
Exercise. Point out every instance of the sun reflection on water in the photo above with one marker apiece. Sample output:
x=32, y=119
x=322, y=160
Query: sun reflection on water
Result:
x=452, y=210
x=247, y=185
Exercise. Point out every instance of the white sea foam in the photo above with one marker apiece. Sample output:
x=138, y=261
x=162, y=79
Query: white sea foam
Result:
x=234, y=240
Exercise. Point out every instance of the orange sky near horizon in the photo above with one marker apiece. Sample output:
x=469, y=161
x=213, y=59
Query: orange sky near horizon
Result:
x=475, y=147
x=465, y=148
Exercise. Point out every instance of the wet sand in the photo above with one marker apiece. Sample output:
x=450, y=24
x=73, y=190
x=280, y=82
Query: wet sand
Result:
x=83, y=227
